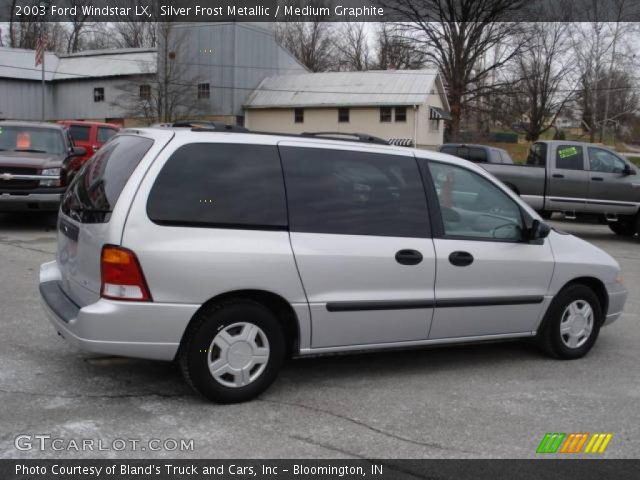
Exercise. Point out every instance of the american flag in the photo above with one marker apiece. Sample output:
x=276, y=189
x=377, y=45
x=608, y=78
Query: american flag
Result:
x=41, y=45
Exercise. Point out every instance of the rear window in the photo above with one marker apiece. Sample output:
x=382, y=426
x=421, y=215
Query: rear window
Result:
x=569, y=157
x=449, y=149
x=95, y=191
x=537, y=155
x=220, y=185
x=80, y=132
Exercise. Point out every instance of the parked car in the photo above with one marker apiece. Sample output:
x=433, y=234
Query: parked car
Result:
x=181, y=244
x=34, y=158
x=477, y=153
x=89, y=135
x=577, y=178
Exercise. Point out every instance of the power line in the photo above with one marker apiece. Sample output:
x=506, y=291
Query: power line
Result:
x=336, y=92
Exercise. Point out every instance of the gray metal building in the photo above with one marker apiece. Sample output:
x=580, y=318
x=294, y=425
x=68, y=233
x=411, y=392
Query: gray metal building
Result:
x=227, y=60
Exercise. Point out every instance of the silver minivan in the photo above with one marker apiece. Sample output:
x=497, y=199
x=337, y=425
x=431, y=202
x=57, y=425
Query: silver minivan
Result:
x=231, y=251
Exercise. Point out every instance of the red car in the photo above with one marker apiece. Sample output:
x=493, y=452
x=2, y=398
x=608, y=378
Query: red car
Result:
x=90, y=135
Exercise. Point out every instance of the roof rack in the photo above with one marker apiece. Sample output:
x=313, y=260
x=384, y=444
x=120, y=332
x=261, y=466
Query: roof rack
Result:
x=208, y=126
x=358, y=137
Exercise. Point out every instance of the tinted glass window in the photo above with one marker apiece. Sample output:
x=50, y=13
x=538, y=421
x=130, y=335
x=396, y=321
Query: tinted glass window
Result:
x=449, y=149
x=354, y=193
x=473, y=207
x=95, y=190
x=537, y=155
x=79, y=132
x=604, y=161
x=569, y=157
x=105, y=134
x=215, y=184
x=478, y=155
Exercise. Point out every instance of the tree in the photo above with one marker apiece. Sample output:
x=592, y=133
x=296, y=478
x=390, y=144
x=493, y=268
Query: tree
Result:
x=352, y=47
x=539, y=77
x=396, y=51
x=169, y=93
x=312, y=43
x=78, y=23
x=457, y=36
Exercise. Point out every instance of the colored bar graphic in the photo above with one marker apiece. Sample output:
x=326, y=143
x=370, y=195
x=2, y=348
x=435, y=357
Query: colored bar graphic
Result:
x=574, y=442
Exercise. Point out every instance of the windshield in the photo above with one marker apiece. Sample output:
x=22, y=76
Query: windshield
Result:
x=31, y=139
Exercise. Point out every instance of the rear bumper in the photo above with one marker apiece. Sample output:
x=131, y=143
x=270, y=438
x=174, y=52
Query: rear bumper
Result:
x=19, y=201
x=130, y=329
x=617, y=298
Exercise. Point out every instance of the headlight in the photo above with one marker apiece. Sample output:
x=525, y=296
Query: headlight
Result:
x=54, y=173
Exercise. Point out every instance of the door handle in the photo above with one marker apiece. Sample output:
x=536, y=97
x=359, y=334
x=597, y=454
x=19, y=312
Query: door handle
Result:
x=461, y=259
x=597, y=179
x=557, y=175
x=408, y=257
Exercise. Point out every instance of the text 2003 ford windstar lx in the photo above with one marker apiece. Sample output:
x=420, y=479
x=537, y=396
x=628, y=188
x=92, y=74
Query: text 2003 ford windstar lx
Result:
x=229, y=251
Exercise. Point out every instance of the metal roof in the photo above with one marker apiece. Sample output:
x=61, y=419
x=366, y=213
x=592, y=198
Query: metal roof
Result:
x=326, y=89
x=20, y=64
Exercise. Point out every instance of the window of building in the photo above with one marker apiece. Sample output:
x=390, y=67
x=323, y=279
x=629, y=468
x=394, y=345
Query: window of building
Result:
x=385, y=114
x=569, y=157
x=354, y=193
x=98, y=94
x=298, y=115
x=472, y=207
x=145, y=92
x=434, y=125
x=220, y=185
x=343, y=115
x=401, y=114
x=203, y=90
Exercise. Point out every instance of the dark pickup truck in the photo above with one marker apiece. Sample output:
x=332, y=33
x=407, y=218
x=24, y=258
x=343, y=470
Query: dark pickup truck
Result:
x=33, y=159
x=577, y=178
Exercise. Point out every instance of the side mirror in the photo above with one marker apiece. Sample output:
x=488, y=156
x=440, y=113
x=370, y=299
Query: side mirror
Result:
x=628, y=170
x=78, y=151
x=538, y=230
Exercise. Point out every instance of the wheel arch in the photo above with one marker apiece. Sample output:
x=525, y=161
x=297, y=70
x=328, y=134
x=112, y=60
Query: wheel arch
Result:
x=279, y=306
x=598, y=288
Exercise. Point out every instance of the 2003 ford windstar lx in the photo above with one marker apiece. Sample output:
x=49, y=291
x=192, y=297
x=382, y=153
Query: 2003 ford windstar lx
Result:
x=229, y=251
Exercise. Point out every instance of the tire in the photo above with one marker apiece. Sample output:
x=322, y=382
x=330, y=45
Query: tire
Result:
x=247, y=365
x=623, y=227
x=551, y=338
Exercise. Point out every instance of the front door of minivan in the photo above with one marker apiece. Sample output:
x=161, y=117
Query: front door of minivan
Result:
x=360, y=235
x=488, y=281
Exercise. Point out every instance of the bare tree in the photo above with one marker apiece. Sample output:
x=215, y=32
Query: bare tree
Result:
x=538, y=92
x=354, y=53
x=167, y=93
x=312, y=43
x=77, y=23
x=394, y=50
x=457, y=36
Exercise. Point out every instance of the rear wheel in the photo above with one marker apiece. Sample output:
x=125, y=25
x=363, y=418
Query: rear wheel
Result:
x=626, y=227
x=232, y=352
x=572, y=323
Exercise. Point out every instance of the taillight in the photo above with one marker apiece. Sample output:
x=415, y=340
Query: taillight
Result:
x=122, y=277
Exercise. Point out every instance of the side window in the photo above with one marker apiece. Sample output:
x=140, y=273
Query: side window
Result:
x=604, y=161
x=537, y=155
x=569, y=157
x=449, y=149
x=354, y=193
x=80, y=132
x=220, y=185
x=105, y=134
x=473, y=207
x=477, y=155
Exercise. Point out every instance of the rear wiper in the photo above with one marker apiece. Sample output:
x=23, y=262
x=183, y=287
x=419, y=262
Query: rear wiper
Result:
x=33, y=150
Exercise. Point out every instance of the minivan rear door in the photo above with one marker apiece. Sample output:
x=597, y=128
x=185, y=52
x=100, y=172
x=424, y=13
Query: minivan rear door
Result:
x=95, y=207
x=359, y=230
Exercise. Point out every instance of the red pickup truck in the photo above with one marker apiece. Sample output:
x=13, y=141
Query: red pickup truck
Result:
x=90, y=135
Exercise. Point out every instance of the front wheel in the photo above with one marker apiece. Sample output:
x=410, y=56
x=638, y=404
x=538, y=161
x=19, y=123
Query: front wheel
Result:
x=232, y=352
x=572, y=323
